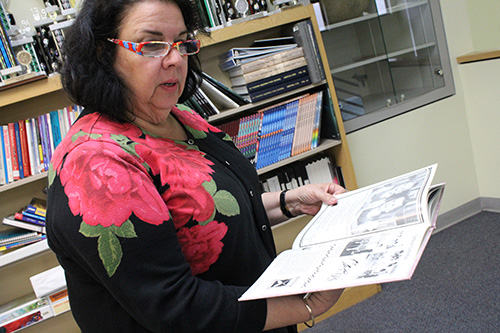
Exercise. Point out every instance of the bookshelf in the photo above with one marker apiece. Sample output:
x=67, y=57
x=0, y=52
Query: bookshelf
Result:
x=46, y=95
x=275, y=25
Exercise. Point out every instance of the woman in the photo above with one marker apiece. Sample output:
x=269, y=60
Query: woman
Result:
x=154, y=214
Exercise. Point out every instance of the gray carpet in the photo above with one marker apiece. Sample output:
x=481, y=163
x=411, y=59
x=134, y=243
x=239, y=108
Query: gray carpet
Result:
x=455, y=288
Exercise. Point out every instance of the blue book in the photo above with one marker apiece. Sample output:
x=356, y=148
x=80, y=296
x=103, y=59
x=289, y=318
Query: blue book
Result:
x=34, y=216
x=56, y=130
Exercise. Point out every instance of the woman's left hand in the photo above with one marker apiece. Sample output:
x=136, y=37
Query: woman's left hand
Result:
x=308, y=199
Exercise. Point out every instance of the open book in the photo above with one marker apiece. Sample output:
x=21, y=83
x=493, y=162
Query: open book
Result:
x=375, y=234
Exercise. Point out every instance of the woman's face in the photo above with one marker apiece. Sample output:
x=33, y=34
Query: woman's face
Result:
x=156, y=83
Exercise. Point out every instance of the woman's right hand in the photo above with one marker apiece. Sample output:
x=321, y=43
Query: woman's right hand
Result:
x=292, y=310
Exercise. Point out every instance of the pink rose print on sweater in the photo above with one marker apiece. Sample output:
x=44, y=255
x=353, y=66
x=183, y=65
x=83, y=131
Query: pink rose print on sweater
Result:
x=202, y=245
x=124, y=186
x=87, y=125
x=178, y=165
x=188, y=203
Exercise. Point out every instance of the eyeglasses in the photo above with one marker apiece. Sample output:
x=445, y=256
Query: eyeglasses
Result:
x=155, y=49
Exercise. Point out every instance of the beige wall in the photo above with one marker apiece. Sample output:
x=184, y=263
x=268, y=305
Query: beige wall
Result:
x=481, y=83
x=485, y=30
x=459, y=133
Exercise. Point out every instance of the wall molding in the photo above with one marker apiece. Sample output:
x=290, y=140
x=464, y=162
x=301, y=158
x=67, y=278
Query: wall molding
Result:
x=467, y=210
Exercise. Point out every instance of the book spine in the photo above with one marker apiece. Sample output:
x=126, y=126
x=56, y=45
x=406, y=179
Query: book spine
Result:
x=299, y=124
x=317, y=55
x=274, y=70
x=23, y=138
x=50, y=134
x=5, y=47
x=47, y=139
x=31, y=146
x=43, y=143
x=317, y=121
x=39, y=145
x=37, y=208
x=277, y=79
x=18, y=236
x=34, y=216
x=3, y=168
x=23, y=225
x=303, y=35
x=32, y=317
x=22, y=217
x=280, y=89
x=62, y=126
x=19, y=150
x=272, y=60
x=13, y=151
x=229, y=63
x=7, y=153
x=56, y=128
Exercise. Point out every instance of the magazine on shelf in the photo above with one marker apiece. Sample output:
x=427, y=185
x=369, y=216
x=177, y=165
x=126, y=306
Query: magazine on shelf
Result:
x=375, y=234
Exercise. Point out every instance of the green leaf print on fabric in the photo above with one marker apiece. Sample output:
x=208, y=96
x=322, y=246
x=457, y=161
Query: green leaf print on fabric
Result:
x=197, y=134
x=210, y=186
x=226, y=203
x=110, y=250
x=128, y=146
x=82, y=133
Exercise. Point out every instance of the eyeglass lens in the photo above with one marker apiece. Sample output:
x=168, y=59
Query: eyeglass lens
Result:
x=159, y=49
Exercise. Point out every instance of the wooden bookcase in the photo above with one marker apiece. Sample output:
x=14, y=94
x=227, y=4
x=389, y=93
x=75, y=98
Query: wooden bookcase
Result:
x=46, y=95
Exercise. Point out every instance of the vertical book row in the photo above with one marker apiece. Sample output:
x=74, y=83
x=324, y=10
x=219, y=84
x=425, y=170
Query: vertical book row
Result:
x=27, y=145
x=280, y=131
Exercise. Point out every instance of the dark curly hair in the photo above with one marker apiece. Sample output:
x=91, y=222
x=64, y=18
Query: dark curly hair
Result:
x=88, y=75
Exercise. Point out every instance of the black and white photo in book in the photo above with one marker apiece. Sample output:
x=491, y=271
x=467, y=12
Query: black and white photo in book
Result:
x=374, y=234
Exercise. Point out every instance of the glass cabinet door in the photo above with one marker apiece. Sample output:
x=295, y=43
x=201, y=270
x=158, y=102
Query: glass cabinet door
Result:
x=386, y=56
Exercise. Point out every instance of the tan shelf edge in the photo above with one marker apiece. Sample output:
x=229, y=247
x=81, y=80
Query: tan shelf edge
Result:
x=30, y=90
x=478, y=56
x=24, y=181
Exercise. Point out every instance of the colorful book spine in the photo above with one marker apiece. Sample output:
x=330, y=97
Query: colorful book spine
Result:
x=31, y=146
x=22, y=217
x=26, y=225
x=23, y=140
x=40, y=151
x=13, y=151
x=317, y=120
x=288, y=129
x=7, y=153
x=37, y=206
x=17, y=138
x=56, y=128
x=3, y=173
x=33, y=216
x=44, y=136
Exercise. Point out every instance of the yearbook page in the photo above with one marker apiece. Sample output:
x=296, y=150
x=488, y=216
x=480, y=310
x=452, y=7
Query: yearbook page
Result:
x=375, y=234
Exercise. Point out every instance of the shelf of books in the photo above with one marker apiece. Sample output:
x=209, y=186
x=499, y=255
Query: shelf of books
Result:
x=23, y=253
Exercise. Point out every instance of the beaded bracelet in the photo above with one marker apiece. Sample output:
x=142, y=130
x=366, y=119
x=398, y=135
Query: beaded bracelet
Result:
x=284, y=208
x=306, y=303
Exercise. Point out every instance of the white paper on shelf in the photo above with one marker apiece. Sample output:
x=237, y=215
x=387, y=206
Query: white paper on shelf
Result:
x=48, y=282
